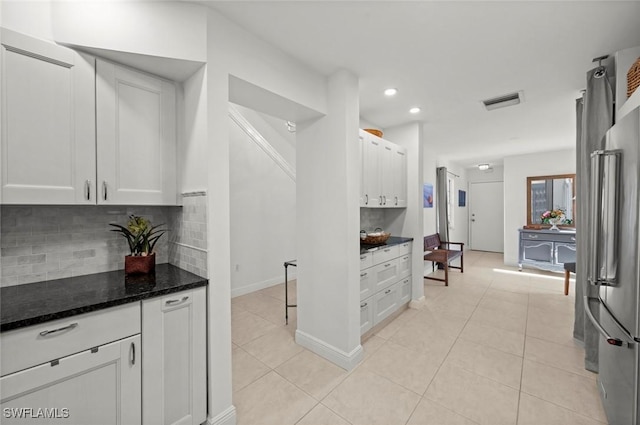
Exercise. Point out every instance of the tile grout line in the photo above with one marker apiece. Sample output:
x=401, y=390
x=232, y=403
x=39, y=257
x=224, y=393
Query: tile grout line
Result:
x=524, y=350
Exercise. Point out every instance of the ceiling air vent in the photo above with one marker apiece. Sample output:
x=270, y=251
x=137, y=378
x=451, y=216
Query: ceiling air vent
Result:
x=503, y=101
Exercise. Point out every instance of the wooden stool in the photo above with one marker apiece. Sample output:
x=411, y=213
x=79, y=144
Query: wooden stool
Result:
x=568, y=268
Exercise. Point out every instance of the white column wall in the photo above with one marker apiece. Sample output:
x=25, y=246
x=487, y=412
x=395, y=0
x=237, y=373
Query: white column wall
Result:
x=328, y=170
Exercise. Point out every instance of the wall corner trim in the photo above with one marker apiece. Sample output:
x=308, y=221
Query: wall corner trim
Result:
x=345, y=360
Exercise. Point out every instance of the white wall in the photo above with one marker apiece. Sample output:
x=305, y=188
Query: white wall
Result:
x=516, y=170
x=429, y=165
x=263, y=208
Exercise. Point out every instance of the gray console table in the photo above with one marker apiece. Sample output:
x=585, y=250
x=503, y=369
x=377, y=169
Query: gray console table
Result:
x=546, y=249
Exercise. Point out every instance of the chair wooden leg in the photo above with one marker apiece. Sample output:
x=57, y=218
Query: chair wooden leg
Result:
x=566, y=282
x=446, y=273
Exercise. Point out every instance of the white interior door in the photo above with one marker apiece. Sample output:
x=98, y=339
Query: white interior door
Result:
x=486, y=203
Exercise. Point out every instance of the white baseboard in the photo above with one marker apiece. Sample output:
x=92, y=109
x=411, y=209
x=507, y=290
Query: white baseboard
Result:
x=341, y=358
x=252, y=287
x=227, y=417
x=417, y=304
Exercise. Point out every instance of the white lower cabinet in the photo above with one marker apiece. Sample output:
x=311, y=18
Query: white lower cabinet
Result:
x=174, y=359
x=141, y=362
x=99, y=386
x=385, y=286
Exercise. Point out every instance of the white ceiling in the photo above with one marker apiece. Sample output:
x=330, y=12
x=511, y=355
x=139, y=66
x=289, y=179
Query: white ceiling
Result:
x=447, y=56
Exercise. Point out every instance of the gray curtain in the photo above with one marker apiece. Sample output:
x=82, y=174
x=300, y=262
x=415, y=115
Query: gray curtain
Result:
x=594, y=114
x=442, y=206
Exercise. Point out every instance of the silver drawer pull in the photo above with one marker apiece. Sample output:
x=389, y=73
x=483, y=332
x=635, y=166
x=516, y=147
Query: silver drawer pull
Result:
x=133, y=353
x=387, y=291
x=363, y=274
x=405, y=258
x=174, y=302
x=533, y=236
x=387, y=265
x=65, y=328
x=363, y=305
x=573, y=238
x=387, y=250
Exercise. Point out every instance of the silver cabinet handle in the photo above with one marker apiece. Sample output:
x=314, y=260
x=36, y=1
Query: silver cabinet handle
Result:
x=175, y=302
x=363, y=257
x=396, y=200
x=104, y=189
x=366, y=199
x=533, y=236
x=87, y=186
x=133, y=353
x=363, y=274
x=387, y=265
x=573, y=238
x=363, y=305
x=385, y=199
x=387, y=291
x=406, y=258
x=380, y=200
x=64, y=328
x=387, y=250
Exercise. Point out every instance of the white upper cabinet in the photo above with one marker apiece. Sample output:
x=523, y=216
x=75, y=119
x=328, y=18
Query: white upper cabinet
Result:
x=136, y=137
x=80, y=131
x=48, y=123
x=384, y=173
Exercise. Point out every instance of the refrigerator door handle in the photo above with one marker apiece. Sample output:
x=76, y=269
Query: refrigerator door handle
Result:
x=587, y=308
x=604, y=216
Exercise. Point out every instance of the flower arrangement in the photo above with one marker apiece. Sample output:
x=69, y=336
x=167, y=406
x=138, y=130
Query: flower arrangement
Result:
x=555, y=216
x=140, y=234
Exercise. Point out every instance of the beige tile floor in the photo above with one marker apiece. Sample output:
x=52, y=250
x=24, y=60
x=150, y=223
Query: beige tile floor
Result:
x=495, y=347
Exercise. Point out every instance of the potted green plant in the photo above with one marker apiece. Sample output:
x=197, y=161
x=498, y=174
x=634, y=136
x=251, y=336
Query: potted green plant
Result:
x=142, y=238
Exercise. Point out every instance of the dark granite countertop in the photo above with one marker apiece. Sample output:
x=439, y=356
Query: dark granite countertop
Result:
x=393, y=240
x=34, y=303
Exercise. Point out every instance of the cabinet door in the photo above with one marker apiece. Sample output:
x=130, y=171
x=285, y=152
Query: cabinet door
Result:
x=366, y=283
x=48, y=123
x=400, y=173
x=371, y=170
x=99, y=387
x=384, y=303
x=565, y=252
x=366, y=315
x=136, y=137
x=387, y=174
x=174, y=383
x=537, y=251
x=404, y=291
x=404, y=266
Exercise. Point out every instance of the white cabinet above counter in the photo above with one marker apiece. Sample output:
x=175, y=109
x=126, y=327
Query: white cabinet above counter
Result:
x=383, y=179
x=74, y=136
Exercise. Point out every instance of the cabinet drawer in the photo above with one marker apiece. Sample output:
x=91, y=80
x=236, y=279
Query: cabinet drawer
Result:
x=33, y=345
x=385, y=254
x=366, y=260
x=404, y=248
x=384, y=275
x=551, y=237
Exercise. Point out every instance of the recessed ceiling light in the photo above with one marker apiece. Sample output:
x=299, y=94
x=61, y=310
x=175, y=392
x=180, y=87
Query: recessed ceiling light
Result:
x=391, y=92
x=414, y=110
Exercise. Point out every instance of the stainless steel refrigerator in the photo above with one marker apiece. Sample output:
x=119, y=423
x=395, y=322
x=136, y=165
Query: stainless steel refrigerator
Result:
x=614, y=267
